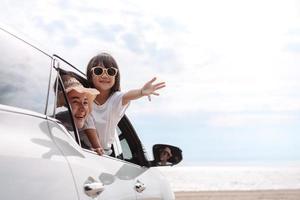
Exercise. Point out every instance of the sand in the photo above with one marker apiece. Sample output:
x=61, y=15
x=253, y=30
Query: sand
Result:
x=240, y=195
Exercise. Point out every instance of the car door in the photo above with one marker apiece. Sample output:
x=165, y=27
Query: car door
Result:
x=32, y=167
x=150, y=184
x=113, y=176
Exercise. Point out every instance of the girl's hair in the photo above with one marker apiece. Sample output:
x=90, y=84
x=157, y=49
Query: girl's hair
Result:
x=103, y=60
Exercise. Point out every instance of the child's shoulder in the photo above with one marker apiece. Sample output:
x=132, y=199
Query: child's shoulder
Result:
x=117, y=94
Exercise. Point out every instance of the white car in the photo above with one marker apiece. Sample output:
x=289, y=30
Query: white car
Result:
x=41, y=159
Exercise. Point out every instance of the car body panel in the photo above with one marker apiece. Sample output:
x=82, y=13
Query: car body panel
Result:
x=112, y=173
x=156, y=188
x=30, y=159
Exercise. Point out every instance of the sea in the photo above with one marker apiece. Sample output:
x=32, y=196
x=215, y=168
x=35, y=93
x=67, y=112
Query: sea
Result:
x=220, y=177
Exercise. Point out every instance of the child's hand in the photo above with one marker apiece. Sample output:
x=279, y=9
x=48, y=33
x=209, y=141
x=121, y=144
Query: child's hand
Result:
x=150, y=88
x=99, y=151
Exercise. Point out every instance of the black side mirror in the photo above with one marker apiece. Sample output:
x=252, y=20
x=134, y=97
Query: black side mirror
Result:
x=166, y=155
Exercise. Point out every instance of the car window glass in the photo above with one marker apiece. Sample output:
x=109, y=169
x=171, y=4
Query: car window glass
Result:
x=24, y=76
x=127, y=154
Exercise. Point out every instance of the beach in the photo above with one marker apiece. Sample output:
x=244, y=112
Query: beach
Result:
x=235, y=182
x=240, y=195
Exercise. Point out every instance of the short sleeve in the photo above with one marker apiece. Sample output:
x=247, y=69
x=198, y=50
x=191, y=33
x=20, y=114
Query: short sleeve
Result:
x=119, y=109
x=89, y=123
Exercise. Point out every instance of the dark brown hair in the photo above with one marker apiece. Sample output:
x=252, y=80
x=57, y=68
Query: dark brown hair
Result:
x=103, y=60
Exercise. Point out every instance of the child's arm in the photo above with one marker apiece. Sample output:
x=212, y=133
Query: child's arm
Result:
x=94, y=140
x=146, y=90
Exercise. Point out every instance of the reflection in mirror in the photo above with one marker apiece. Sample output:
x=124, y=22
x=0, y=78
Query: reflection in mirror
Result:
x=166, y=155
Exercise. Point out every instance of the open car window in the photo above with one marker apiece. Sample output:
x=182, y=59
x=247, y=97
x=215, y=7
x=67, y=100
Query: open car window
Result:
x=58, y=105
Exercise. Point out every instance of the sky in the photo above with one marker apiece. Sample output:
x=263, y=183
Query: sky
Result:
x=231, y=68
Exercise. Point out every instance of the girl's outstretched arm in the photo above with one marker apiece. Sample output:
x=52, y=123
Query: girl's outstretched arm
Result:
x=148, y=89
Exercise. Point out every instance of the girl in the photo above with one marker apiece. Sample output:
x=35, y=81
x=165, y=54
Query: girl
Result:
x=110, y=105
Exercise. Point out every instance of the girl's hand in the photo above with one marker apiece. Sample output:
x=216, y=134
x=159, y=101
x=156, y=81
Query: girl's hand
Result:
x=150, y=88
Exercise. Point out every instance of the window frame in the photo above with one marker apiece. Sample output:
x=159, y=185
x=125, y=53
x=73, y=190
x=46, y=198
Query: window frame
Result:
x=137, y=150
x=69, y=108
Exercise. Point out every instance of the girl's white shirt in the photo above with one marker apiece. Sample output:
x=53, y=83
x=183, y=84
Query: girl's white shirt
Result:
x=105, y=119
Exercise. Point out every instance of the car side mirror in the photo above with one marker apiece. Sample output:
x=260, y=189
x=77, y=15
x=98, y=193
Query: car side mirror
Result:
x=166, y=155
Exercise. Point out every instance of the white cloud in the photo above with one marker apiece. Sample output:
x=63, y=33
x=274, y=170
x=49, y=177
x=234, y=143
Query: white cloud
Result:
x=224, y=55
x=251, y=120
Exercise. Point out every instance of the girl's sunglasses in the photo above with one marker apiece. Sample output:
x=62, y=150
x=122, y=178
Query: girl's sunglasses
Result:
x=98, y=71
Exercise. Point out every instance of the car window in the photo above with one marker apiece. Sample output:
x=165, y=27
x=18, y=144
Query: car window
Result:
x=59, y=107
x=126, y=151
x=132, y=148
x=24, y=76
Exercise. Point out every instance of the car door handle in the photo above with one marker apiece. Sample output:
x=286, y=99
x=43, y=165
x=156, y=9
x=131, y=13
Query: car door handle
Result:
x=93, y=188
x=139, y=186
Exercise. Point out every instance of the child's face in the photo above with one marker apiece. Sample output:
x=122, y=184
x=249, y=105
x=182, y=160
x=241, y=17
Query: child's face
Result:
x=80, y=107
x=165, y=155
x=103, y=82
